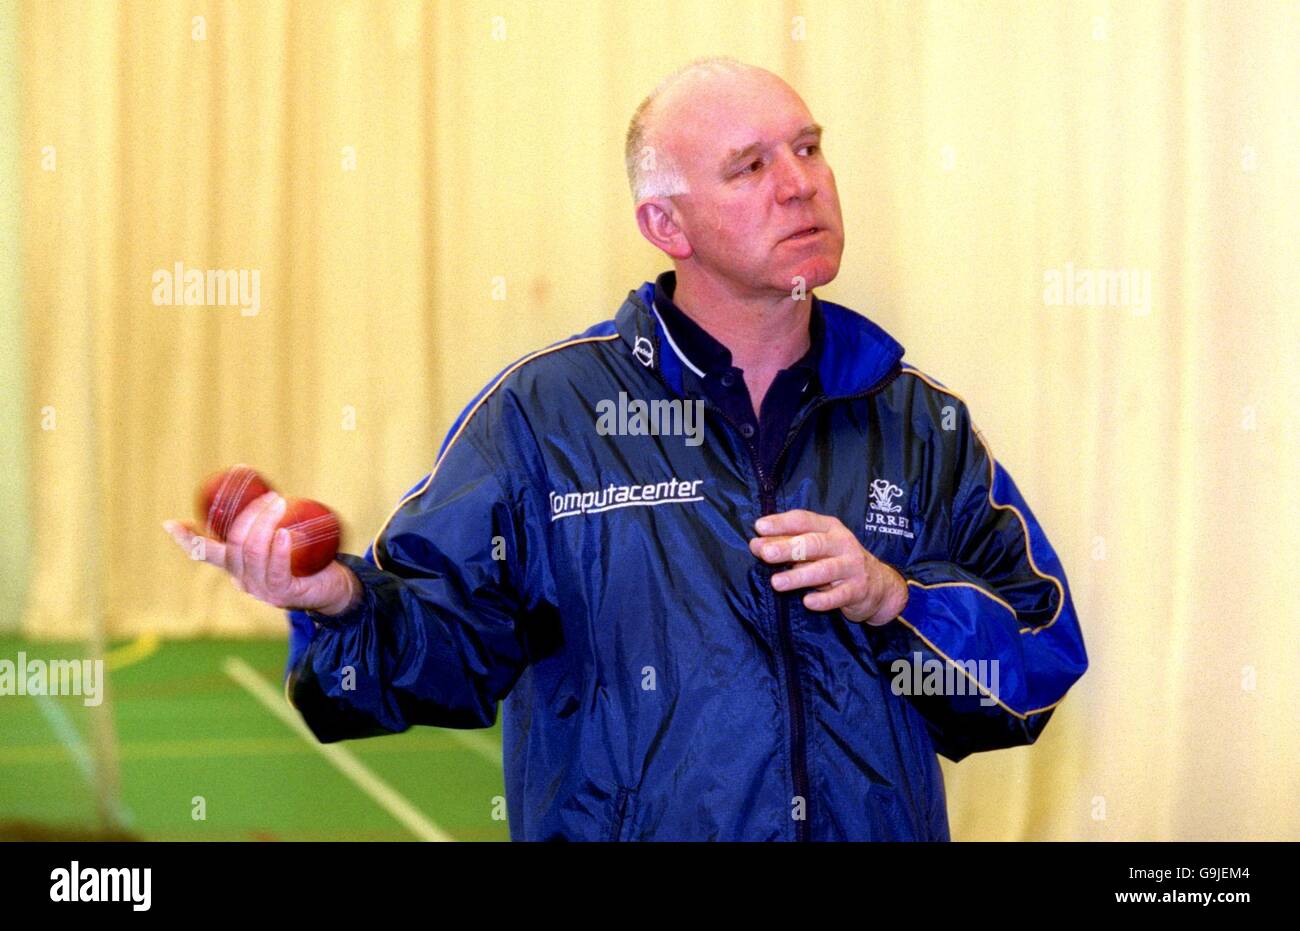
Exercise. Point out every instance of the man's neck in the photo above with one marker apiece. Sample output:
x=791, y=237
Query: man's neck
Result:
x=763, y=334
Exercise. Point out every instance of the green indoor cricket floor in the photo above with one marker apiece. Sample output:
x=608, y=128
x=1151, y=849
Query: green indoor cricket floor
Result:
x=188, y=728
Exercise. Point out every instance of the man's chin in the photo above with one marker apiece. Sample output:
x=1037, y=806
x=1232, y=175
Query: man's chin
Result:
x=814, y=272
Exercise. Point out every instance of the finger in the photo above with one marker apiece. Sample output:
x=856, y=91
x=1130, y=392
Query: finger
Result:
x=791, y=522
x=239, y=532
x=873, y=610
x=798, y=548
x=243, y=522
x=195, y=545
x=279, y=575
x=257, y=548
x=842, y=595
x=821, y=572
x=876, y=605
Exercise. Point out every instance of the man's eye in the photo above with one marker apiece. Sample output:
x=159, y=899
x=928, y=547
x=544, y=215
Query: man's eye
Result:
x=745, y=170
x=812, y=147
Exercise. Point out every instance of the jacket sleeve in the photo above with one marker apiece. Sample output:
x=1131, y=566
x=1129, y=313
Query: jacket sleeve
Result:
x=993, y=617
x=436, y=638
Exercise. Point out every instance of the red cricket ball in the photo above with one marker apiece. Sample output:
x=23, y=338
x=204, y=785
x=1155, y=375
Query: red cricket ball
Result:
x=224, y=494
x=314, y=532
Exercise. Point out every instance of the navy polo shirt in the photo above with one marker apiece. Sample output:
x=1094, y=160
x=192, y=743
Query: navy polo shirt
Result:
x=724, y=385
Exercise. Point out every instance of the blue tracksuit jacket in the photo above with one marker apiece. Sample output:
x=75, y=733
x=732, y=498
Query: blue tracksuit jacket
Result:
x=653, y=684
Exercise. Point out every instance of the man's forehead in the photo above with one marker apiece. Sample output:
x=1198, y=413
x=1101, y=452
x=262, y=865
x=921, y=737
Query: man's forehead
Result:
x=714, y=115
x=710, y=128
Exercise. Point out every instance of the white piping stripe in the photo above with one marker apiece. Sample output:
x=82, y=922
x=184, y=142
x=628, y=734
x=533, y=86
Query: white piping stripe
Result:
x=626, y=504
x=681, y=355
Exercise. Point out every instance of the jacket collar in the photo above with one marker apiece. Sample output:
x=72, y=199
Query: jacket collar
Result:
x=700, y=352
x=856, y=353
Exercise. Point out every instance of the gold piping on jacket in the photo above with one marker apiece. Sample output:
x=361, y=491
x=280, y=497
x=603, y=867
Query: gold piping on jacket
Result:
x=1024, y=716
x=1024, y=526
x=469, y=416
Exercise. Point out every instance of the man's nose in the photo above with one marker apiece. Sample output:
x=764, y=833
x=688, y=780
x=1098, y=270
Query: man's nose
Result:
x=796, y=179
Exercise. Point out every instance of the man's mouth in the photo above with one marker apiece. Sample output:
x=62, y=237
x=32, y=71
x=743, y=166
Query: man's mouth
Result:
x=804, y=233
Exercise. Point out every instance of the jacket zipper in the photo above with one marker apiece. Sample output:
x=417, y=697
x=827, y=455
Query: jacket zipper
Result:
x=798, y=740
x=794, y=697
x=767, y=505
x=767, y=492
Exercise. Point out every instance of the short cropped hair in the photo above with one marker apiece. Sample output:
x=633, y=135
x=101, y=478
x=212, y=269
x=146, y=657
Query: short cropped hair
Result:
x=651, y=171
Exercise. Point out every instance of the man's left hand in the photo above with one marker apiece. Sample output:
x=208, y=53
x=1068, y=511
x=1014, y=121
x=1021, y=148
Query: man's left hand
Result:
x=841, y=572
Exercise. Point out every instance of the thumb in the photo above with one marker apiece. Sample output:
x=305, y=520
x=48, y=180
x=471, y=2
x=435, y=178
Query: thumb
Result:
x=196, y=545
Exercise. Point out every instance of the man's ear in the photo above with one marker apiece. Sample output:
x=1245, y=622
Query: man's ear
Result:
x=657, y=219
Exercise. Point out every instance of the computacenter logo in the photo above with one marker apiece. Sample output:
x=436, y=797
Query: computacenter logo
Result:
x=884, y=516
x=673, y=491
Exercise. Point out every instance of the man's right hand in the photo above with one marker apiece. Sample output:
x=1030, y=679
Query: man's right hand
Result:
x=257, y=559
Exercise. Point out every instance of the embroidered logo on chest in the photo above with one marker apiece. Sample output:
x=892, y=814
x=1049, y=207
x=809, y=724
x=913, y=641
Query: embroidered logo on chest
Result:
x=884, y=516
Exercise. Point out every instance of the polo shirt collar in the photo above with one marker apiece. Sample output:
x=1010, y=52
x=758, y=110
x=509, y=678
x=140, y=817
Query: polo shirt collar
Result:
x=704, y=355
x=857, y=356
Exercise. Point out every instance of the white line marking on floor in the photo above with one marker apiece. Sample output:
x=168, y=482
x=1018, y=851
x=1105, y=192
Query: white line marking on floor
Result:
x=487, y=747
x=341, y=758
x=70, y=737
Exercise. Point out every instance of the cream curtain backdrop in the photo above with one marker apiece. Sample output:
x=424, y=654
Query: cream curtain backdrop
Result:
x=428, y=192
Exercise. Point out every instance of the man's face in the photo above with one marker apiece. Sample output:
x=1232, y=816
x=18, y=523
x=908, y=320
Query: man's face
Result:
x=752, y=156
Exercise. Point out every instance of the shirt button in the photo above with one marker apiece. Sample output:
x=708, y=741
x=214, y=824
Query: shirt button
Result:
x=728, y=380
x=747, y=430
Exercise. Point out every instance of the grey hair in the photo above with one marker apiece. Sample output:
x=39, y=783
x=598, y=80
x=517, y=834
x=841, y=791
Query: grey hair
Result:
x=651, y=172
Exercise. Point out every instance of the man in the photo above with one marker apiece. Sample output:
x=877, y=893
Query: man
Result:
x=758, y=623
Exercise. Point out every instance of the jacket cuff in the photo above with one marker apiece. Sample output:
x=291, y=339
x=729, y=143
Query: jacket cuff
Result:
x=369, y=576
